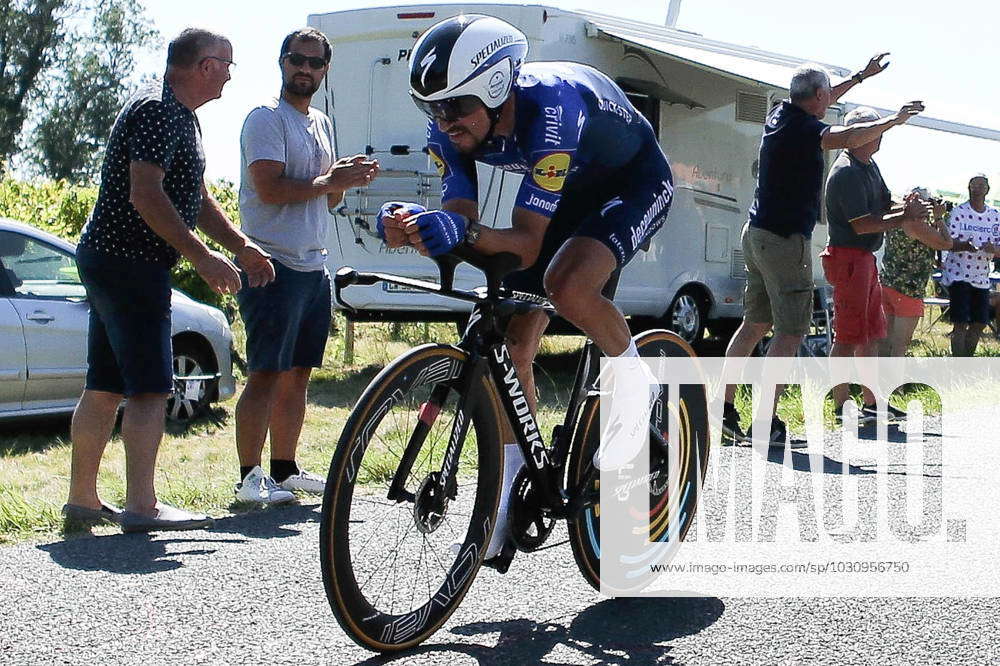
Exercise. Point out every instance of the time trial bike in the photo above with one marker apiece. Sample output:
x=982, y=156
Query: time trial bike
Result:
x=414, y=484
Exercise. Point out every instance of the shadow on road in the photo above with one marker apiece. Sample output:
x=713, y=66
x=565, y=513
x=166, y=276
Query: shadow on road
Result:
x=146, y=554
x=128, y=553
x=613, y=631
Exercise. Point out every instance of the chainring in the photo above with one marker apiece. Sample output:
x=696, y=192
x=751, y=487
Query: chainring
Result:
x=529, y=525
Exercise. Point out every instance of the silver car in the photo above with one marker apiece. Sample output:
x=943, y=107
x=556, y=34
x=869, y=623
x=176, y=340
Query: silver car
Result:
x=43, y=333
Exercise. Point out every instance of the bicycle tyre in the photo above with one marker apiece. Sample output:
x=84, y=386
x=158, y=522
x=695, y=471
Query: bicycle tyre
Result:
x=584, y=529
x=356, y=513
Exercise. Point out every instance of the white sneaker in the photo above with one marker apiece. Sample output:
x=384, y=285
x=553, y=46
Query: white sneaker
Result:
x=260, y=488
x=305, y=481
x=632, y=393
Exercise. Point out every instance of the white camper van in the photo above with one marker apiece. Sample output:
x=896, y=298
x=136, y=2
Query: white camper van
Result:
x=707, y=100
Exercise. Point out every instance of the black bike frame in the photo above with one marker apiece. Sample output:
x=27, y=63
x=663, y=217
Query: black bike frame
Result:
x=484, y=342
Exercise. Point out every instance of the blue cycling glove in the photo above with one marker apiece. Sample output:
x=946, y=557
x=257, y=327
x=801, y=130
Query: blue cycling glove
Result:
x=441, y=230
x=390, y=207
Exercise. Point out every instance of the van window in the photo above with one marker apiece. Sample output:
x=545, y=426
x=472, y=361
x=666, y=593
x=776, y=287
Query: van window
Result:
x=647, y=105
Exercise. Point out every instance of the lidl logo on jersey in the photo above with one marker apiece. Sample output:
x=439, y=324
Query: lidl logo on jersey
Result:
x=439, y=164
x=550, y=172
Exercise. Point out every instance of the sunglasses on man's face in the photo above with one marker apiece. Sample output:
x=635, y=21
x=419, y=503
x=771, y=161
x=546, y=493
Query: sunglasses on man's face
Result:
x=297, y=60
x=448, y=110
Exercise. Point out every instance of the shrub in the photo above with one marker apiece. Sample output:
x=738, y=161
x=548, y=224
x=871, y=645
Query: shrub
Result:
x=62, y=209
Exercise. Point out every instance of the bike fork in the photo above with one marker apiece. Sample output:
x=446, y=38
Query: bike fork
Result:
x=428, y=414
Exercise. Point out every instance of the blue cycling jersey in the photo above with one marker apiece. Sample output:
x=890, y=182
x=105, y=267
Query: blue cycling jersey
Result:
x=575, y=134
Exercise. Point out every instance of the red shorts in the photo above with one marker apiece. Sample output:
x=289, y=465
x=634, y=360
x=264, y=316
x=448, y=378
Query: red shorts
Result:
x=857, y=295
x=900, y=305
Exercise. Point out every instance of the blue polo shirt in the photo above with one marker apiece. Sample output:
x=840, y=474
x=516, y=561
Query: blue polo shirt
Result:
x=790, y=178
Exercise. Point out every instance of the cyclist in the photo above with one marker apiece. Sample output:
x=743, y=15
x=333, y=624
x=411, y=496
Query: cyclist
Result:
x=596, y=186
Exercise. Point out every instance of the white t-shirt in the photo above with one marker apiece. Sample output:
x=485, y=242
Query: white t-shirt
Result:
x=294, y=234
x=972, y=267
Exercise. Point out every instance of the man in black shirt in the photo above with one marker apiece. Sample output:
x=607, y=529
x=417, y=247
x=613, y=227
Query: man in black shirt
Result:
x=776, y=238
x=151, y=197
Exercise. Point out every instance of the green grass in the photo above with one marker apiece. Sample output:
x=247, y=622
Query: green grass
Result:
x=197, y=466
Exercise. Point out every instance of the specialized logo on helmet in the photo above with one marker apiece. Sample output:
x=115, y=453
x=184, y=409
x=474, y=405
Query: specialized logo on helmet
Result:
x=491, y=48
x=439, y=164
x=498, y=85
x=550, y=172
x=426, y=63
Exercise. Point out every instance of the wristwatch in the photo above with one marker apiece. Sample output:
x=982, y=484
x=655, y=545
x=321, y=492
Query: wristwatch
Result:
x=472, y=233
x=858, y=77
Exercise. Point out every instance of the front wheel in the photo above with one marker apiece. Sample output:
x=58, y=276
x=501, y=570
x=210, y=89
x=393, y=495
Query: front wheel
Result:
x=395, y=569
x=670, y=513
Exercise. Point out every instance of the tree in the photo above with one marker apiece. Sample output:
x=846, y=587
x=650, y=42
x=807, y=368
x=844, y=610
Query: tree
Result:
x=29, y=33
x=84, y=96
x=65, y=69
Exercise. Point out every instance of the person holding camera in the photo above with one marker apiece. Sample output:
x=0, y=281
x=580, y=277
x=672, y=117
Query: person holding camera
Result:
x=910, y=258
x=859, y=209
x=966, y=273
x=290, y=177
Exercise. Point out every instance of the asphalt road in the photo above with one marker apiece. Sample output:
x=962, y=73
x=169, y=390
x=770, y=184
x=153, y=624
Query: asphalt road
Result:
x=249, y=591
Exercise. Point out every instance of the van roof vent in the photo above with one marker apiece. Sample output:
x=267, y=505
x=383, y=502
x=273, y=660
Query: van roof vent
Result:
x=751, y=108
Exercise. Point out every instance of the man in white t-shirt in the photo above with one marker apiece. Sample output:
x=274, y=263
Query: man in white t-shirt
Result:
x=289, y=177
x=967, y=274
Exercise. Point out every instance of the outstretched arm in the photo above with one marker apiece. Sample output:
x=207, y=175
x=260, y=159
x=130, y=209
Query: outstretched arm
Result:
x=875, y=66
x=858, y=134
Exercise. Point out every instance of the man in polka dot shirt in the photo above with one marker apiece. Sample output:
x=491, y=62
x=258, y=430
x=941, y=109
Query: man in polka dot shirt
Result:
x=967, y=274
x=152, y=195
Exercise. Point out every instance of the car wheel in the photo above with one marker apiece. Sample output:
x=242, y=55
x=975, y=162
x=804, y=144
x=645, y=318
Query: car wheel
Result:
x=193, y=383
x=686, y=317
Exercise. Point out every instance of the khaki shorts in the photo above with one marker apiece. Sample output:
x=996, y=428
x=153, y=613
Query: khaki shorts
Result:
x=779, y=287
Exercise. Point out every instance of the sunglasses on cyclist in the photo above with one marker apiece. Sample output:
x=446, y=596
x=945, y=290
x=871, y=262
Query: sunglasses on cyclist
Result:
x=450, y=109
x=297, y=60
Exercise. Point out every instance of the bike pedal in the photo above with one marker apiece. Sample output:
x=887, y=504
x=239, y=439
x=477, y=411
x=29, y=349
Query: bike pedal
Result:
x=501, y=561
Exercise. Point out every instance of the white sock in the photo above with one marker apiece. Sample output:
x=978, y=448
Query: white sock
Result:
x=630, y=351
x=513, y=462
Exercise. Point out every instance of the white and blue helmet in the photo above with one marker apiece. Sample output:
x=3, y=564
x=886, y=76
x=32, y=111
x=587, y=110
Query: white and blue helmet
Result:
x=468, y=56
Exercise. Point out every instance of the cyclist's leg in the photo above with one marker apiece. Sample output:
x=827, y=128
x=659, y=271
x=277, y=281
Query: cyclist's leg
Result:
x=607, y=239
x=524, y=334
x=574, y=282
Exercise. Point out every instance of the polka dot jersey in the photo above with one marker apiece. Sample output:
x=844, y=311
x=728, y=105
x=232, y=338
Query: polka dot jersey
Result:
x=153, y=127
x=965, y=223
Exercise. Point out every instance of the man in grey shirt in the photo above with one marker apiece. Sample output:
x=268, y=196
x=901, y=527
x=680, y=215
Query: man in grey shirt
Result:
x=290, y=176
x=859, y=209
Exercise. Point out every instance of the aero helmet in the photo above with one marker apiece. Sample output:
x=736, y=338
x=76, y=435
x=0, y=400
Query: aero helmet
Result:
x=463, y=59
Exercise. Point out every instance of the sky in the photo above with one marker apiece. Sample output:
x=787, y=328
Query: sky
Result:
x=942, y=53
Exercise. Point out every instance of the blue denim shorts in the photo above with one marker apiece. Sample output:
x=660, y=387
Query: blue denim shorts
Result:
x=288, y=320
x=128, y=343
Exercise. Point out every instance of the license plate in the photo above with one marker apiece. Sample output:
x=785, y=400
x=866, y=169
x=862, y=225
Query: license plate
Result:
x=192, y=389
x=398, y=288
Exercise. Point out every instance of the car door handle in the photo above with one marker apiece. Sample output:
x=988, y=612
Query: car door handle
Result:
x=40, y=316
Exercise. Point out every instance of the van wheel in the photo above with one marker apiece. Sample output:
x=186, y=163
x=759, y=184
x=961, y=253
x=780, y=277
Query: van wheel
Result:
x=193, y=386
x=686, y=316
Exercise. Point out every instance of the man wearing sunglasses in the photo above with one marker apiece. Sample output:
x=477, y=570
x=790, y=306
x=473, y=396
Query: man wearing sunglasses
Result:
x=595, y=187
x=290, y=176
